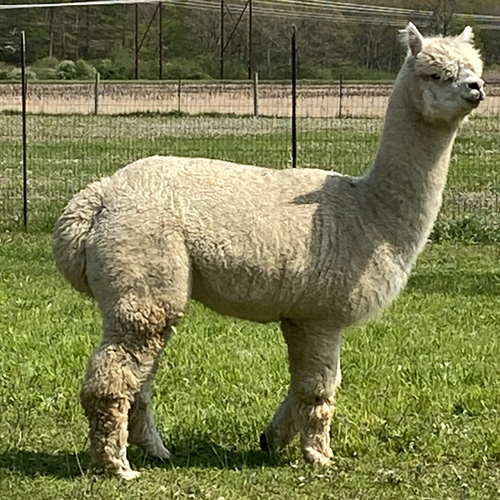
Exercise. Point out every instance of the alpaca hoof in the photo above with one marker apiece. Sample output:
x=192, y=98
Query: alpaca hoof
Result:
x=128, y=474
x=314, y=457
x=264, y=445
x=159, y=451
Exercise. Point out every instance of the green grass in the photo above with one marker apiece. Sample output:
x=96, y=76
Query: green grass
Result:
x=418, y=411
x=417, y=415
x=66, y=152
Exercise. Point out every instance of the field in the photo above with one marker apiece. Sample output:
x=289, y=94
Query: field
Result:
x=418, y=411
x=274, y=99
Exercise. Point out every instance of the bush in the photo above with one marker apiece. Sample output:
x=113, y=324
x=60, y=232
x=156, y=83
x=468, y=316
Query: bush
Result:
x=46, y=74
x=66, y=70
x=45, y=63
x=105, y=68
x=186, y=69
x=84, y=70
x=120, y=65
x=13, y=73
x=45, y=68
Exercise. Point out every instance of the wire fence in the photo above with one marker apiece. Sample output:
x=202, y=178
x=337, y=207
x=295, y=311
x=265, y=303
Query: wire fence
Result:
x=79, y=132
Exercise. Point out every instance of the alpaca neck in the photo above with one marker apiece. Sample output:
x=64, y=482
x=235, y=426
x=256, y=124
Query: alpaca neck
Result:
x=405, y=184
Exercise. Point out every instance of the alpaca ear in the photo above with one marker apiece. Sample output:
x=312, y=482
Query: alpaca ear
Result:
x=467, y=36
x=413, y=39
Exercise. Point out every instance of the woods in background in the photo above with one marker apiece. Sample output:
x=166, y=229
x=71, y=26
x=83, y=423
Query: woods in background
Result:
x=70, y=42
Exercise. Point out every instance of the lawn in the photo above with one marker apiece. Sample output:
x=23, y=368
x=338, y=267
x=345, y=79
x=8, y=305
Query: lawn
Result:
x=417, y=415
x=66, y=152
x=418, y=410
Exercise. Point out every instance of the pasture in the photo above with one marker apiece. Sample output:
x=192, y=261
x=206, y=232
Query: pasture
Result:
x=418, y=410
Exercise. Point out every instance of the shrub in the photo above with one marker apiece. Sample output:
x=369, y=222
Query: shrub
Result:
x=84, y=70
x=187, y=69
x=66, y=70
x=45, y=68
x=46, y=73
x=13, y=73
x=45, y=62
x=105, y=68
x=120, y=65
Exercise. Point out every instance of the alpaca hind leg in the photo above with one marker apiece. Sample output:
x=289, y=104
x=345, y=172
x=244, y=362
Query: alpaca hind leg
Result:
x=117, y=371
x=314, y=355
x=142, y=427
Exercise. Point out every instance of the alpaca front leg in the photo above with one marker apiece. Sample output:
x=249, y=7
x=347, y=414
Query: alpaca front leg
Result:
x=314, y=355
x=282, y=428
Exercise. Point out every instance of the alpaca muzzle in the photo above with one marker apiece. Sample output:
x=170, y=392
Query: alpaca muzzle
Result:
x=473, y=91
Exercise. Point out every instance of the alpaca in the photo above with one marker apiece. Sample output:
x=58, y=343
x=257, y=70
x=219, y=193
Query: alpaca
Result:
x=315, y=250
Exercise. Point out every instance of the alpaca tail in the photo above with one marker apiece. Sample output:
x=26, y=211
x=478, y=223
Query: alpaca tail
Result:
x=71, y=232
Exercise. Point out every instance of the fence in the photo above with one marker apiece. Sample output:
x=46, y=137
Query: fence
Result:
x=79, y=132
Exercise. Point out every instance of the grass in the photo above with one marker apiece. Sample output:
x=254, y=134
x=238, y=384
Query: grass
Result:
x=66, y=152
x=418, y=411
x=417, y=416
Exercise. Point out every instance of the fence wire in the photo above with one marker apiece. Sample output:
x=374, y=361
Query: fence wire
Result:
x=77, y=133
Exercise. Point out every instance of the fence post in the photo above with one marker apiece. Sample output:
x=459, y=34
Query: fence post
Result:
x=294, y=99
x=23, y=93
x=96, y=93
x=179, y=95
x=341, y=93
x=256, y=94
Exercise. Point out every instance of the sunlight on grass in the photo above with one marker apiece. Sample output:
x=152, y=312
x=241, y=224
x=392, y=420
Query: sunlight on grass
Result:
x=417, y=413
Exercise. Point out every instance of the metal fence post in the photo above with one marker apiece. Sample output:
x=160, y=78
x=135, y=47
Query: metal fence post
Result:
x=294, y=99
x=256, y=94
x=23, y=93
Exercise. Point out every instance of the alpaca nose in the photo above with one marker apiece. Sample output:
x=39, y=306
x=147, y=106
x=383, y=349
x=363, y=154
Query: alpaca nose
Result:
x=477, y=88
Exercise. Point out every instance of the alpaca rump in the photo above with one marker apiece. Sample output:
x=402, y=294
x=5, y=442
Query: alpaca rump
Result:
x=315, y=250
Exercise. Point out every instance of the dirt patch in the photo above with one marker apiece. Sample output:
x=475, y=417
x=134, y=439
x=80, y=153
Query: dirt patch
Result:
x=273, y=100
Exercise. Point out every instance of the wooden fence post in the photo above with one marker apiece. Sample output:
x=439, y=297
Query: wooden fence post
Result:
x=256, y=94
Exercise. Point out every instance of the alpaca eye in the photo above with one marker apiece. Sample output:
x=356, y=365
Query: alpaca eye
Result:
x=435, y=76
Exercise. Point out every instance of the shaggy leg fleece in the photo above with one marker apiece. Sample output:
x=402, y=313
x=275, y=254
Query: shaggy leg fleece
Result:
x=315, y=376
x=118, y=370
x=142, y=428
x=282, y=428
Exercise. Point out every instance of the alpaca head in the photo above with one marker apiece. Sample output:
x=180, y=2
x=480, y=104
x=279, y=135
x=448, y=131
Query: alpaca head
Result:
x=444, y=73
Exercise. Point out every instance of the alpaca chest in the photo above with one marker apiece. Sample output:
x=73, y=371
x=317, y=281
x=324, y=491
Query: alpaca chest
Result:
x=360, y=288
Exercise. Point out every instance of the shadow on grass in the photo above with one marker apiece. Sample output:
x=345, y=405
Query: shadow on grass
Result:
x=203, y=452
x=200, y=453
x=460, y=283
x=35, y=463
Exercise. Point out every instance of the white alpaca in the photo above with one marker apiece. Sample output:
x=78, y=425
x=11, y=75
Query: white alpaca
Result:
x=315, y=250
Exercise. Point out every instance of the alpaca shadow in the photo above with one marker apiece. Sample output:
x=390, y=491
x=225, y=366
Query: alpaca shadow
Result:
x=63, y=465
x=204, y=452
x=189, y=452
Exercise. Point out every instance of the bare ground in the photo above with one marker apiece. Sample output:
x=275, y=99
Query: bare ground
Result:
x=273, y=100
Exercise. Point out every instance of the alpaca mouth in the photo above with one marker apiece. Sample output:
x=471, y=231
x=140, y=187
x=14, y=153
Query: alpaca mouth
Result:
x=473, y=101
